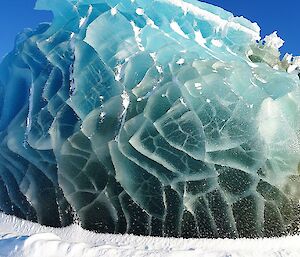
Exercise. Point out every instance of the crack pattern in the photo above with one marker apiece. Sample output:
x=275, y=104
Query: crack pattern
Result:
x=133, y=120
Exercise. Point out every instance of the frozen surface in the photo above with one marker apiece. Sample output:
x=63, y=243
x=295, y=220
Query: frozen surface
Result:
x=162, y=118
x=25, y=239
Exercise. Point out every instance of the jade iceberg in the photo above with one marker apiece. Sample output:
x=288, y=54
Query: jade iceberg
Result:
x=164, y=118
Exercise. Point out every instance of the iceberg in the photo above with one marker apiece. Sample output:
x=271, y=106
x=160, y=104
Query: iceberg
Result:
x=165, y=118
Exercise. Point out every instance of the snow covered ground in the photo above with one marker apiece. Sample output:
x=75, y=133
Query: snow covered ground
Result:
x=20, y=238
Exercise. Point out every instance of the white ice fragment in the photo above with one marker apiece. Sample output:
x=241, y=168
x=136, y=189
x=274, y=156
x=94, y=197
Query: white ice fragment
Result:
x=287, y=58
x=198, y=85
x=102, y=116
x=29, y=116
x=180, y=61
x=153, y=56
x=175, y=27
x=293, y=63
x=292, y=68
x=159, y=69
x=82, y=21
x=208, y=100
x=273, y=41
x=118, y=72
x=72, y=87
x=199, y=38
x=126, y=100
x=182, y=101
x=28, y=123
x=139, y=11
x=296, y=60
x=217, y=43
x=90, y=9
x=137, y=32
x=113, y=11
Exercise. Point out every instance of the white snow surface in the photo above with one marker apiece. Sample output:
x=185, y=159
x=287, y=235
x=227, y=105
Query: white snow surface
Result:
x=19, y=238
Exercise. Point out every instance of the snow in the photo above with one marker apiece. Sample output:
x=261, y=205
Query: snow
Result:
x=273, y=40
x=19, y=238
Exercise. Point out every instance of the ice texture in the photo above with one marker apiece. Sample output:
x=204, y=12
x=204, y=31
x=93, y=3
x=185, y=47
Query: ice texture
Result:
x=164, y=118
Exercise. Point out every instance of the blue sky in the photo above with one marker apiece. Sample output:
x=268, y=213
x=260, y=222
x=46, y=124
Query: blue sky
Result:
x=270, y=15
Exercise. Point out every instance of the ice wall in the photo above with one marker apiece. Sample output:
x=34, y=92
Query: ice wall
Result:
x=165, y=118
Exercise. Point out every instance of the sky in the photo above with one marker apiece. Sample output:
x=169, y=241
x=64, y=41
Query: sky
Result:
x=279, y=15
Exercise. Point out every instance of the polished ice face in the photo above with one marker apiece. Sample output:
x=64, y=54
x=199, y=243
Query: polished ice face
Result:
x=161, y=118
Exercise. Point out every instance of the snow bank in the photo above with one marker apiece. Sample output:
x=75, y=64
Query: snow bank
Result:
x=19, y=238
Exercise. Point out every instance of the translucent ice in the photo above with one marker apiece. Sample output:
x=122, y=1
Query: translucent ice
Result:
x=157, y=117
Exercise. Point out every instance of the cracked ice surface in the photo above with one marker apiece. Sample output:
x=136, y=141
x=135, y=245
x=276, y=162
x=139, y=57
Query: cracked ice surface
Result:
x=161, y=118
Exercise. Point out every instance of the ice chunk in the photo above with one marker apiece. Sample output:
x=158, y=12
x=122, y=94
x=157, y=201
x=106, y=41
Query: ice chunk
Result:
x=161, y=118
x=273, y=40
